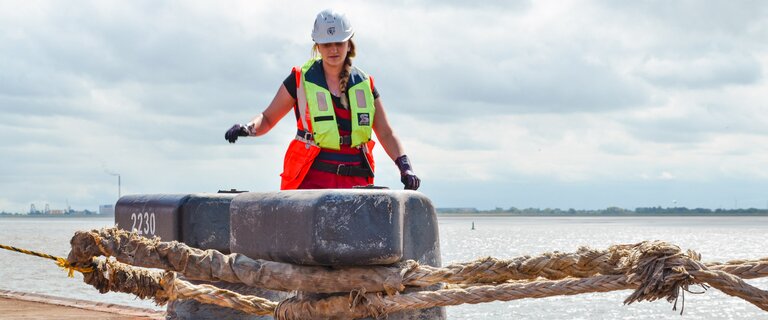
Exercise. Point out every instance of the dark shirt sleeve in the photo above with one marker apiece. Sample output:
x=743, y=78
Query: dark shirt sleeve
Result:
x=290, y=85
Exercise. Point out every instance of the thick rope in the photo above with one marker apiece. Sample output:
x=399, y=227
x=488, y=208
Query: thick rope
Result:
x=123, y=278
x=118, y=277
x=378, y=305
x=734, y=286
x=586, y=262
x=151, y=253
x=745, y=269
x=211, y=265
x=163, y=286
x=61, y=262
x=655, y=270
x=224, y=298
x=557, y=265
x=133, y=249
x=106, y=276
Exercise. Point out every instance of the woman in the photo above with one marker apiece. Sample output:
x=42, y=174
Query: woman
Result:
x=337, y=108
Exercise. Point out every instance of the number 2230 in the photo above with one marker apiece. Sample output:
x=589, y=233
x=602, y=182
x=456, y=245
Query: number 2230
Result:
x=143, y=223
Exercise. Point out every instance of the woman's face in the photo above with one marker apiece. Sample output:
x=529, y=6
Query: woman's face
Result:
x=334, y=53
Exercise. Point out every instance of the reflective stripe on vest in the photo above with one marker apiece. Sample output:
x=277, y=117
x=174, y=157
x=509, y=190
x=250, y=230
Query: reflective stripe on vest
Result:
x=301, y=102
x=319, y=108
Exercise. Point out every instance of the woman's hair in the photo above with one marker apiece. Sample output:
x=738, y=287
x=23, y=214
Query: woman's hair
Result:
x=344, y=74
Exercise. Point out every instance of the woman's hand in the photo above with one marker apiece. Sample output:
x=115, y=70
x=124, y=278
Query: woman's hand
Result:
x=407, y=177
x=237, y=130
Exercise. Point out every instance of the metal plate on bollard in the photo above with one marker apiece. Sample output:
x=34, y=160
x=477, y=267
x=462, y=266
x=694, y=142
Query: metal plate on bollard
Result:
x=150, y=215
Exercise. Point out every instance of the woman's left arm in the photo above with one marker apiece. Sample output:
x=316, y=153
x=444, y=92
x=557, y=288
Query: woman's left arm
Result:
x=384, y=133
x=393, y=147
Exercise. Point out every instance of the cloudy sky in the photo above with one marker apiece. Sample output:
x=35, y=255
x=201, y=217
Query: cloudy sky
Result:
x=551, y=104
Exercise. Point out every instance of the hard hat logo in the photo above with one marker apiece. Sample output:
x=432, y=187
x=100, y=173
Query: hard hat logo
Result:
x=336, y=25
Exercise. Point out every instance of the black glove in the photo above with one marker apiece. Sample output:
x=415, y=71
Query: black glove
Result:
x=407, y=177
x=237, y=130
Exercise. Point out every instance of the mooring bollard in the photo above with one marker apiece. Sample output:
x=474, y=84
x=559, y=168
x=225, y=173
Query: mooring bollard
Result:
x=335, y=227
x=339, y=227
x=199, y=220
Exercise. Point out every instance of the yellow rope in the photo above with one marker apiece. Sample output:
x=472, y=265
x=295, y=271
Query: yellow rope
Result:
x=61, y=262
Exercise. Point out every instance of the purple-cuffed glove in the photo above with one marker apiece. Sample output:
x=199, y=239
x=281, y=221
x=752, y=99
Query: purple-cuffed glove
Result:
x=237, y=130
x=407, y=177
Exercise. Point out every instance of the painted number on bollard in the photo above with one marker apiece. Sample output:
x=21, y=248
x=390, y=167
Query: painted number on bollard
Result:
x=143, y=223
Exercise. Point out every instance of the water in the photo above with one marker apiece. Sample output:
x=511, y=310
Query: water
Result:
x=27, y=273
x=716, y=238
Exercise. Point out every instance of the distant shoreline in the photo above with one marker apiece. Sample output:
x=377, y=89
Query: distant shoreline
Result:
x=470, y=215
x=636, y=215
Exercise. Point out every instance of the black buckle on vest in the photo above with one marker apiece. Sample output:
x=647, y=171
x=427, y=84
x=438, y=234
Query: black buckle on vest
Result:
x=306, y=135
x=339, y=169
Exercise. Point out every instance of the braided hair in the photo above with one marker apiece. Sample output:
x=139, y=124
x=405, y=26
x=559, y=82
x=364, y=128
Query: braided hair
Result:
x=344, y=75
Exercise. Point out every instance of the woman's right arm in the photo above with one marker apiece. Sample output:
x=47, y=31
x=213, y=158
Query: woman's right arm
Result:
x=277, y=109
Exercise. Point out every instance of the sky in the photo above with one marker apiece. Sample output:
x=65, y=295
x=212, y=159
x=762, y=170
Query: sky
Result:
x=544, y=104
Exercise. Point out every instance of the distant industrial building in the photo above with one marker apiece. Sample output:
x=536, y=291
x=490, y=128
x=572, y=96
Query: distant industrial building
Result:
x=107, y=209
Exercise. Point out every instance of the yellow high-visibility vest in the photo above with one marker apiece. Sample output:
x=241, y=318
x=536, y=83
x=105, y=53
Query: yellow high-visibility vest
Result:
x=319, y=106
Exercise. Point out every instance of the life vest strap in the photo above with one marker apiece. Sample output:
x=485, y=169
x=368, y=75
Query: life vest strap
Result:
x=307, y=136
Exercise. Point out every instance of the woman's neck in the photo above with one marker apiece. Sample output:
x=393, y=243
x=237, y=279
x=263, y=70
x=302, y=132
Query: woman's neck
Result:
x=331, y=71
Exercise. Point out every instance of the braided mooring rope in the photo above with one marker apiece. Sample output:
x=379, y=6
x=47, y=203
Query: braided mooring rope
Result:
x=655, y=270
x=164, y=286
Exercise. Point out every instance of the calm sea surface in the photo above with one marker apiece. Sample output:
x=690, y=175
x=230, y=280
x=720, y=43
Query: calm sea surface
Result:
x=716, y=238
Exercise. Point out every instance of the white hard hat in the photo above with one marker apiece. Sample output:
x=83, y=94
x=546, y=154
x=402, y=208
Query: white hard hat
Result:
x=332, y=26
